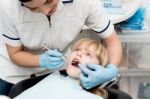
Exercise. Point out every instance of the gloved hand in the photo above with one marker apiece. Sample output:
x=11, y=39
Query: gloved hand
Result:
x=93, y=75
x=51, y=59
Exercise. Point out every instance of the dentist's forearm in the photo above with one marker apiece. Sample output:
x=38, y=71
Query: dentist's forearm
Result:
x=114, y=48
x=22, y=58
x=25, y=59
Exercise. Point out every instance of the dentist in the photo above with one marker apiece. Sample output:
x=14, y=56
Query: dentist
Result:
x=27, y=25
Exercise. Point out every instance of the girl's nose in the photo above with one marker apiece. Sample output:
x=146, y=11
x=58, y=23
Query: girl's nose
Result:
x=79, y=53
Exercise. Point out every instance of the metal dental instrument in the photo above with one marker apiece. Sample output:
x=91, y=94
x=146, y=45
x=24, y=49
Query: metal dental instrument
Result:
x=63, y=57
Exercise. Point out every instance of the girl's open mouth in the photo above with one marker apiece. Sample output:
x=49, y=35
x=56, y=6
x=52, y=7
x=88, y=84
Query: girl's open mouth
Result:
x=75, y=63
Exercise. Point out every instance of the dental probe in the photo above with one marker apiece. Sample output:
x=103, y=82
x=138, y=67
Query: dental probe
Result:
x=63, y=57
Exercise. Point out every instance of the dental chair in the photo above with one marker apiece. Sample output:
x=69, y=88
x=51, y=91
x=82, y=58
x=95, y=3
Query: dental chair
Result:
x=27, y=83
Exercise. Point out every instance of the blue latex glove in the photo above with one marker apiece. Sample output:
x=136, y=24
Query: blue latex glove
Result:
x=93, y=75
x=51, y=59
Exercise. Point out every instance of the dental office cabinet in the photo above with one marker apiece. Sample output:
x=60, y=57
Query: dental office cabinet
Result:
x=135, y=65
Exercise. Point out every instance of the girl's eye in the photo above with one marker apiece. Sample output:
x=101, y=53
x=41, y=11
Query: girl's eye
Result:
x=88, y=54
x=76, y=49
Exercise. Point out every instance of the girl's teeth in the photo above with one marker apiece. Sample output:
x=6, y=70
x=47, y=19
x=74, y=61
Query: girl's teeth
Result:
x=75, y=63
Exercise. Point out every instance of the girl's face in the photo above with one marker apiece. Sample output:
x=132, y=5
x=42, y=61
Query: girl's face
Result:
x=47, y=7
x=82, y=54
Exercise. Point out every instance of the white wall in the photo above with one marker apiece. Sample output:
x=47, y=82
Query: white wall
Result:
x=146, y=3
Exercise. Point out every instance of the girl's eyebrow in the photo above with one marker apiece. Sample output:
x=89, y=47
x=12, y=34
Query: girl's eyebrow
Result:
x=87, y=50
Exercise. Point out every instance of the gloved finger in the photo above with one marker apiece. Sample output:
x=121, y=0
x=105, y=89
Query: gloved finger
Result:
x=85, y=85
x=111, y=66
x=61, y=64
x=56, y=63
x=57, y=49
x=54, y=53
x=55, y=59
x=84, y=81
x=112, y=69
x=83, y=78
x=93, y=67
x=84, y=69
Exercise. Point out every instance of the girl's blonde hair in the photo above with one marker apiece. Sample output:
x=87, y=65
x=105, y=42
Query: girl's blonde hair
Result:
x=100, y=50
x=102, y=56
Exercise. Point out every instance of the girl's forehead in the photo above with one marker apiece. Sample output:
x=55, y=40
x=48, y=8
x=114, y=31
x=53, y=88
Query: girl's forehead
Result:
x=87, y=46
x=82, y=45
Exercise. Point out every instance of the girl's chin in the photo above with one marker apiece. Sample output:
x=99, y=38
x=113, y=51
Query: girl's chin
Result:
x=73, y=72
x=74, y=76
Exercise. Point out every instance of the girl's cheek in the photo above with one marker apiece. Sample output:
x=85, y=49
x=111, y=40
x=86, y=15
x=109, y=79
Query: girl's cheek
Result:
x=73, y=54
x=86, y=60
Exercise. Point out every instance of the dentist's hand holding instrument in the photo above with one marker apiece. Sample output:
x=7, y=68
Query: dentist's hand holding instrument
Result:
x=51, y=59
